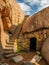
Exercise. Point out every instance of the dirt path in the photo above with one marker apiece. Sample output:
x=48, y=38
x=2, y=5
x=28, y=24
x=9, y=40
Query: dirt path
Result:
x=27, y=57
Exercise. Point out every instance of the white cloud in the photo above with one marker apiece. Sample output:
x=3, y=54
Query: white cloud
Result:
x=32, y=2
x=28, y=0
x=41, y=4
x=28, y=13
x=25, y=7
x=36, y=1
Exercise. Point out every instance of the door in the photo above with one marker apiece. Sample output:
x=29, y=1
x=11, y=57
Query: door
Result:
x=33, y=44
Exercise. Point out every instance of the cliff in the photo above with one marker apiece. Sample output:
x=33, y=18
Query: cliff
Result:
x=11, y=16
x=11, y=13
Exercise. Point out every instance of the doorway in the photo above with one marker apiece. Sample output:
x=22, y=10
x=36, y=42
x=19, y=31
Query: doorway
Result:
x=33, y=41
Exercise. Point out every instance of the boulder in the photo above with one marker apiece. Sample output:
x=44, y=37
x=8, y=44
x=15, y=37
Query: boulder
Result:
x=45, y=50
x=11, y=16
x=37, y=21
x=11, y=13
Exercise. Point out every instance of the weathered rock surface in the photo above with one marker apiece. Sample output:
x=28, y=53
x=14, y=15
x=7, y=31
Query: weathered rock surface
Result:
x=45, y=49
x=11, y=16
x=11, y=13
x=37, y=21
x=4, y=36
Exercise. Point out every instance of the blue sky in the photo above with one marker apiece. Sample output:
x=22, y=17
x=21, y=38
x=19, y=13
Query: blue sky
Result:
x=30, y=7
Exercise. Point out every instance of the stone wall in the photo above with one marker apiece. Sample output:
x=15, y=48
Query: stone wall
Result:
x=24, y=40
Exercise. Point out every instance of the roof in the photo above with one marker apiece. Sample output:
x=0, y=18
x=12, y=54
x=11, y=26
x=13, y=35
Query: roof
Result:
x=37, y=21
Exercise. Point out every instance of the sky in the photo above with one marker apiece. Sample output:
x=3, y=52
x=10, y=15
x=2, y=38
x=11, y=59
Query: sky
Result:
x=31, y=7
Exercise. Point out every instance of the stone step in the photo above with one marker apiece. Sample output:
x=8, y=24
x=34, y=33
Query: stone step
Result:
x=8, y=49
x=9, y=46
x=10, y=40
x=17, y=59
x=9, y=55
x=10, y=43
x=8, y=52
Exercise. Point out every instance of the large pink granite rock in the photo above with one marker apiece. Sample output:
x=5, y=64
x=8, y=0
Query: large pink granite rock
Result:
x=37, y=21
x=45, y=50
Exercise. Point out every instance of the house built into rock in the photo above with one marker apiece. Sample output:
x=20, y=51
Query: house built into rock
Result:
x=34, y=31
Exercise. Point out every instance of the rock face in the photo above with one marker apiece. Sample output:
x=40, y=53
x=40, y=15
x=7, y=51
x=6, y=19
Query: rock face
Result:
x=11, y=16
x=45, y=49
x=11, y=13
x=37, y=21
x=3, y=35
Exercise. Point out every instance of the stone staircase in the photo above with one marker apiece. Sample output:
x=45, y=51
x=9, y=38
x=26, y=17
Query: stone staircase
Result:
x=9, y=50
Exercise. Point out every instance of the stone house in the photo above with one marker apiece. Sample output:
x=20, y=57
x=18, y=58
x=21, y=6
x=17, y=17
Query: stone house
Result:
x=34, y=31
